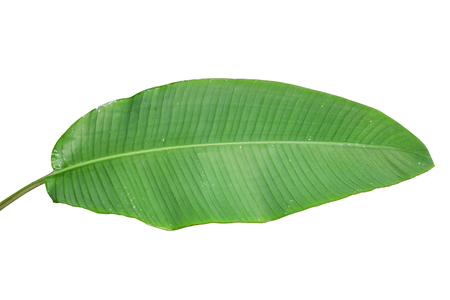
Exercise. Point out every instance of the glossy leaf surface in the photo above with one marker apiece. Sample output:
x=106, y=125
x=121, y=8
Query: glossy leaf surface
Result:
x=226, y=150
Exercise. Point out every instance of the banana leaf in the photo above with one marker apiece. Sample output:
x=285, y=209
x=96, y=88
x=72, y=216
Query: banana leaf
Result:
x=226, y=150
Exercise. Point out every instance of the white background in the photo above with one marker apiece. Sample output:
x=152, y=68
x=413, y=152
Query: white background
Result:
x=59, y=60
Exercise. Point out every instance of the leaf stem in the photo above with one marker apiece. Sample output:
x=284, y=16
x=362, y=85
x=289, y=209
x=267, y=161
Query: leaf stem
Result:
x=22, y=192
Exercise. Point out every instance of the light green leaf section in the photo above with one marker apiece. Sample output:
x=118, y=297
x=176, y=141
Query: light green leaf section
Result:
x=227, y=150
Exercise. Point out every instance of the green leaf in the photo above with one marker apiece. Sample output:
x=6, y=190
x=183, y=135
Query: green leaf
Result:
x=227, y=150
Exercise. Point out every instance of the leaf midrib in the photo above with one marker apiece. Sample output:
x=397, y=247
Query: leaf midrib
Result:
x=111, y=157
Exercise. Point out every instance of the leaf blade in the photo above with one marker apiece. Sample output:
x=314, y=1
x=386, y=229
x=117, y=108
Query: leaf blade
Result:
x=222, y=151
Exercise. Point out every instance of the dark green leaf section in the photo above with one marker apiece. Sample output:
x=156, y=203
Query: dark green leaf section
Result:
x=225, y=150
